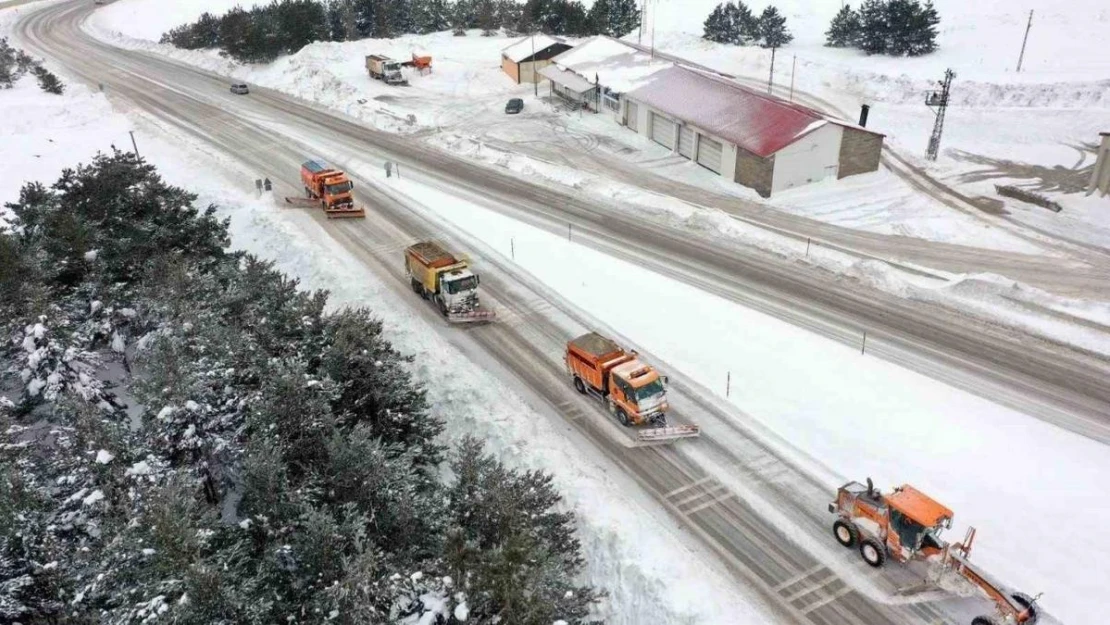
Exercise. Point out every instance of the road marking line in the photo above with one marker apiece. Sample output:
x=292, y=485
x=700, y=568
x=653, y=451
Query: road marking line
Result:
x=820, y=584
x=687, y=487
x=708, y=490
x=712, y=502
x=799, y=577
x=827, y=600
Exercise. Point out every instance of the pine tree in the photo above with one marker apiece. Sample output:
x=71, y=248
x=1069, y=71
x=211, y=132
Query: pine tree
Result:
x=48, y=82
x=873, y=26
x=624, y=17
x=772, y=27
x=844, y=30
x=431, y=16
x=922, y=35
x=745, y=25
x=486, y=14
x=508, y=16
x=899, y=22
x=718, y=26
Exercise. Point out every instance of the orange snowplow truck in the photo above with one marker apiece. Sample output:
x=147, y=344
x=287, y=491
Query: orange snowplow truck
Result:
x=331, y=188
x=634, y=392
x=906, y=525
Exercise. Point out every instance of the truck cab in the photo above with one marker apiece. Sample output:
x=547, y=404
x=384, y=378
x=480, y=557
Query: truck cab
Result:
x=638, y=390
x=458, y=290
x=391, y=72
x=336, y=190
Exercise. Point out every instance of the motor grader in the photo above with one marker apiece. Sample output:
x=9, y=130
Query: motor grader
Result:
x=905, y=525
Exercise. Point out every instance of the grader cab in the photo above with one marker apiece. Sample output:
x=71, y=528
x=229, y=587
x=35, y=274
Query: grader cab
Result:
x=907, y=525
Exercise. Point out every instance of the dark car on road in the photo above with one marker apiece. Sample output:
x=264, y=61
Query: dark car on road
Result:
x=514, y=106
x=240, y=88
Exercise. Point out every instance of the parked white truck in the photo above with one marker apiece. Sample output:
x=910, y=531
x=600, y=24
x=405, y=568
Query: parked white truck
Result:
x=385, y=69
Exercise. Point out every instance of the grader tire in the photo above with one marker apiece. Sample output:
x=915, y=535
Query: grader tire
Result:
x=846, y=533
x=872, y=552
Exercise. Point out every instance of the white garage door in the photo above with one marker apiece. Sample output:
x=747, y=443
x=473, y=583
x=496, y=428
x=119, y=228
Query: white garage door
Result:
x=709, y=154
x=632, y=116
x=686, y=142
x=662, y=131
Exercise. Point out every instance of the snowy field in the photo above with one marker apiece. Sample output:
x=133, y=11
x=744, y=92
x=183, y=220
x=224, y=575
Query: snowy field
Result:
x=651, y=569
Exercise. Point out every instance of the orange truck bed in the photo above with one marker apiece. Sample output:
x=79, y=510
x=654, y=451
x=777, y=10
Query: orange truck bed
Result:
x=592, y=356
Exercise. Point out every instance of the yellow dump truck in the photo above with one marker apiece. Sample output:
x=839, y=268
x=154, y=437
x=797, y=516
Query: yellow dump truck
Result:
x=447, y=281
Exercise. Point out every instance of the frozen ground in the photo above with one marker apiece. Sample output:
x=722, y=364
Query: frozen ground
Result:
x=858, y=414
x=633, y=549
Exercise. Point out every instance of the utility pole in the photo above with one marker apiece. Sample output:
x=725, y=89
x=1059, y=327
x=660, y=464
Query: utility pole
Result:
x=652, y=36
x=133, y=144
x=771, y=78
x=939, y=99
x=643, y=14
x=793, y=67
x=1025, y=39
x=535, y=81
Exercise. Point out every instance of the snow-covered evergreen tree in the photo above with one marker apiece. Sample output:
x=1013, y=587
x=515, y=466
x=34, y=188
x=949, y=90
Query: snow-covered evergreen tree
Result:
x=772, y=28
x=874, y=29
x=921, y=36
x=844, y=30
x=718, y=26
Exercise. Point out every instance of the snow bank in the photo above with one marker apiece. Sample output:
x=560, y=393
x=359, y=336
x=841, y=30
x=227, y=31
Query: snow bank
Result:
x=858, y=414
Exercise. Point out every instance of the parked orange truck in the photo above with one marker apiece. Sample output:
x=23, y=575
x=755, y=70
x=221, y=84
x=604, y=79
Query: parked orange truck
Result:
x=634, y=391
x=331, y=188
x=438, y=275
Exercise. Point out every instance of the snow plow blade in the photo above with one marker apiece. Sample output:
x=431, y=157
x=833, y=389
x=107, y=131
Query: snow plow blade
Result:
x=473, y=316
x=670, y=433
x=345, y=213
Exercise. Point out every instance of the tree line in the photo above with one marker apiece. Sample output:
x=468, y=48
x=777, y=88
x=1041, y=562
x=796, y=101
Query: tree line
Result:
x=262, y=34
x=894, y=27
x=187, y=435
x=734, y=23
x=15, y=64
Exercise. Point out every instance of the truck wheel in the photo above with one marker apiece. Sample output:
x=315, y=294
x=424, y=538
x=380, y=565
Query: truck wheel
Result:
x=622, y=416
x=441, y=305
x=983, y=620
x=846, y=533
x=417, y=287
x=308, y=193
x=872, y=551
x=579, y=385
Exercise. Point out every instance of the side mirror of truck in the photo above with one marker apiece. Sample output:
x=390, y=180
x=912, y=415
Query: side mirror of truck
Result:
x=666, y=380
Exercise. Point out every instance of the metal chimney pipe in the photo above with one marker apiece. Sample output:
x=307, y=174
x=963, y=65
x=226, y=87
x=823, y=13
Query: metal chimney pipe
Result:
x=863, y=110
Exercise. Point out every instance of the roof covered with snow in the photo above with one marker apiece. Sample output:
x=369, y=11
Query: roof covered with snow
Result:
x=618, y=65
x=566, y=78
x=760, y=123
x=524, y=48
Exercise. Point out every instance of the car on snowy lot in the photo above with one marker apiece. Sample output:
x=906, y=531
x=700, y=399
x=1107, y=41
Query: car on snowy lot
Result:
x=514, y=106
x=240, y=88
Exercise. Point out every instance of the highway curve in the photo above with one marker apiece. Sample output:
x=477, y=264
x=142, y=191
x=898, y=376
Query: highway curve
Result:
x=715, y=486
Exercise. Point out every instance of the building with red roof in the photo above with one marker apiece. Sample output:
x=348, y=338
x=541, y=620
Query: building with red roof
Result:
x=748, y=136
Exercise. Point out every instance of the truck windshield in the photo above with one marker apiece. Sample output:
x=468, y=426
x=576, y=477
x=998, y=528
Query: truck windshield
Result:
x=458, y=286
x=649, y=390
x=336, y=189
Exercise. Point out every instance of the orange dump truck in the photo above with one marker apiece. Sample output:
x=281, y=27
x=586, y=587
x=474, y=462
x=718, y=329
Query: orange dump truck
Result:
x=633, y=390
x=331, y=188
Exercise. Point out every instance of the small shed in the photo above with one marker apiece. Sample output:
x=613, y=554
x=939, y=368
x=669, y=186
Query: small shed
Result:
x=523, y=59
